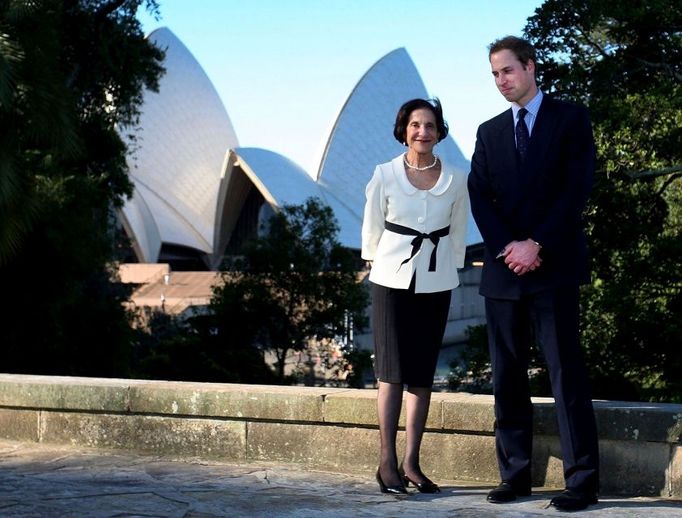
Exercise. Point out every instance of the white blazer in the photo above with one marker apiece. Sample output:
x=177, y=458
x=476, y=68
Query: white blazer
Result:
x=391, y=197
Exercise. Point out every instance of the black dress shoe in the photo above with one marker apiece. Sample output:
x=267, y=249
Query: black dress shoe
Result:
x=393, y=490
x=423, y=487
x=573, y=500
x=505, y=492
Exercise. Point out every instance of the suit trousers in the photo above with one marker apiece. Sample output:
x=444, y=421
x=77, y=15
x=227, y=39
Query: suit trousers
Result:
x=550, y=319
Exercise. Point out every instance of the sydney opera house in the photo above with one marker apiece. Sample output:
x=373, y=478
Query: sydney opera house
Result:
x=198, y=194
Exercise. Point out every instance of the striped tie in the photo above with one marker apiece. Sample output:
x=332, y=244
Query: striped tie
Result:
x=522, y=136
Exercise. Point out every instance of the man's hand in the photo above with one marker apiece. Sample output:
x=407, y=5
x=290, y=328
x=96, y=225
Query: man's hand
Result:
x=522, y=256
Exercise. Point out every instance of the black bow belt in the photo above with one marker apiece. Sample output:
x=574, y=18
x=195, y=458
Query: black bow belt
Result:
x=418, y=240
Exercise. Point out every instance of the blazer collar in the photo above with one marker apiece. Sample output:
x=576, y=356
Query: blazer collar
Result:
x=539, y=139
x=544, y=125
x=506, y=138
x=444, y=180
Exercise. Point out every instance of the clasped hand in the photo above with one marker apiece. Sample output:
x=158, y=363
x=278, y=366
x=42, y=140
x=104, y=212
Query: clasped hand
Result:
x=522, y=256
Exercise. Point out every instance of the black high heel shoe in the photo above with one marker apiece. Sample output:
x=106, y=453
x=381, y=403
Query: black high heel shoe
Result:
x=393, y=490
x=424, y=487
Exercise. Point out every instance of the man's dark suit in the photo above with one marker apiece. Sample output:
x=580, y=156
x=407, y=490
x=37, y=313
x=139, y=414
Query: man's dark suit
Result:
x=541, y=199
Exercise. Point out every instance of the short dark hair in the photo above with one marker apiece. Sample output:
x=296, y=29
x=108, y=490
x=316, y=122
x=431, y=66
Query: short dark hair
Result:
x=521, y=48
x=403, y=118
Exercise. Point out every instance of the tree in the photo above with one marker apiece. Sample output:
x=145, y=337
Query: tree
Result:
x=293, y=284
x=72, y=75
x=172, y=348
x=624, y=60
x=471, y=371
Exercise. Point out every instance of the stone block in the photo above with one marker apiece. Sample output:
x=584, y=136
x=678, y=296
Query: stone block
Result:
x=455, y=456
x=352, y=407
x=19, y=425
x=472, y=412
x=547, y=466
x=323, y=447
x=360, y=407
x=631, y=421
x=148, y=434
x=65, y=393
x=333, y=429
x=619, y=420
x=634, y=471
x=445, y=456
x=544, y=417
x=434, y=419
x=675, y=473
x=229, y=400
x=640, y=471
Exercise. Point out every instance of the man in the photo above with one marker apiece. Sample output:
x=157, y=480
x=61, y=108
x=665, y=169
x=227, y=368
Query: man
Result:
x=531, y=174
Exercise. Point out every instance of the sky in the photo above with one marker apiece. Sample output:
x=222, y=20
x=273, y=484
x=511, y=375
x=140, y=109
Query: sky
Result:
x=284, y=68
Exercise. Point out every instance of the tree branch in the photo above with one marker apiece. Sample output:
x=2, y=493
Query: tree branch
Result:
x=593, y=43
x=670, y=180
x=109, y=8
x=675, y=170
x=668, y=68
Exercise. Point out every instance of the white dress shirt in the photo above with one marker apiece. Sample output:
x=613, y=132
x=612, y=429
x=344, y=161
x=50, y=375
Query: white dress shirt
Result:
x=533, y=107
x=391, y=197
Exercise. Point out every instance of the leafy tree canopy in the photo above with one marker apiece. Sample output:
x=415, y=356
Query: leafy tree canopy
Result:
x=72, y=74
x=624, y=60
x=293, y=284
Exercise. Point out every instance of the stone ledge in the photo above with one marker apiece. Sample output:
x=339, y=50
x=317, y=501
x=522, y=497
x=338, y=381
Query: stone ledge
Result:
x=331, y=428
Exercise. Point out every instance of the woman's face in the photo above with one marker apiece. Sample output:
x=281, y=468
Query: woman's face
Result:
x=422, y=131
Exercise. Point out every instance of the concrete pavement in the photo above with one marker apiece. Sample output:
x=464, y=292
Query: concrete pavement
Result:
x=40, y=480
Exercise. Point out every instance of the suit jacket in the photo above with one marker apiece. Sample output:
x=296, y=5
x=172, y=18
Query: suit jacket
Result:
x=391, y=197
x=543, y=199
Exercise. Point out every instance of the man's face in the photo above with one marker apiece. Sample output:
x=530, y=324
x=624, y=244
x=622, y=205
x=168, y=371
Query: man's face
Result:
x=515, y=81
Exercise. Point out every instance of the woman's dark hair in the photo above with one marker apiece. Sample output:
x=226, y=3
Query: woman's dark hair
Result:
x=403, y=118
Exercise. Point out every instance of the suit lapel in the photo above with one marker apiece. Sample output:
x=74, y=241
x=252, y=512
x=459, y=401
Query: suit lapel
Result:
x=506, y=138
x=539, y=140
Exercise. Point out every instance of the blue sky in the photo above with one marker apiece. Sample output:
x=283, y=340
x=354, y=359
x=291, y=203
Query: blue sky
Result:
x=283, y=69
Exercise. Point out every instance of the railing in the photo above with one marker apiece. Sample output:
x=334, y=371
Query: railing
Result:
x=328, y=428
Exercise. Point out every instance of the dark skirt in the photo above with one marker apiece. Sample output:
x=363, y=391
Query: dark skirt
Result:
x=408, y=332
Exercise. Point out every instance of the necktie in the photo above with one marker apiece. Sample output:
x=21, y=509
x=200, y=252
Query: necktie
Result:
x=522, y=136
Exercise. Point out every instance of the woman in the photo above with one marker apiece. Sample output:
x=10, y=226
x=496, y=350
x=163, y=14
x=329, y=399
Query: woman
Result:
x=413, y=236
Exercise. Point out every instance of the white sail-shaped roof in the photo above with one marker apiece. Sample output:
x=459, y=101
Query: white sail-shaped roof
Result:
x=176, y=160
x=192, y=180
x=140, y=226
x=280, y=180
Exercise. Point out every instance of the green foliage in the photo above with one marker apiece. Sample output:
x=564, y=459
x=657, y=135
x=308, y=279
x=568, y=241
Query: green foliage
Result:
x=174, y=349
x=293, y=284
x=624, y=60
x=71, y=74
x=471, y=371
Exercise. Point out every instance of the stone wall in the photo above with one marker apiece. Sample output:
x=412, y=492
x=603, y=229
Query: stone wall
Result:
x=327, y=428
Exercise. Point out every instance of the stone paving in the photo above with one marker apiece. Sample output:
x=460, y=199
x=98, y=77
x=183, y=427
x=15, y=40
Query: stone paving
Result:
x=38, y=480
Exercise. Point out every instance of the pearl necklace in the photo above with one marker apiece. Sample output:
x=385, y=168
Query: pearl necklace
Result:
x=435, y=161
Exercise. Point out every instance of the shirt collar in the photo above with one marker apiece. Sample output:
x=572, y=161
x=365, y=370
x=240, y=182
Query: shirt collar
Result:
x=444, y=180
x=533, y=106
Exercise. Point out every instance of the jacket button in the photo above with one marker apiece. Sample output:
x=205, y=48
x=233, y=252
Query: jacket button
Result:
x=420, y=219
